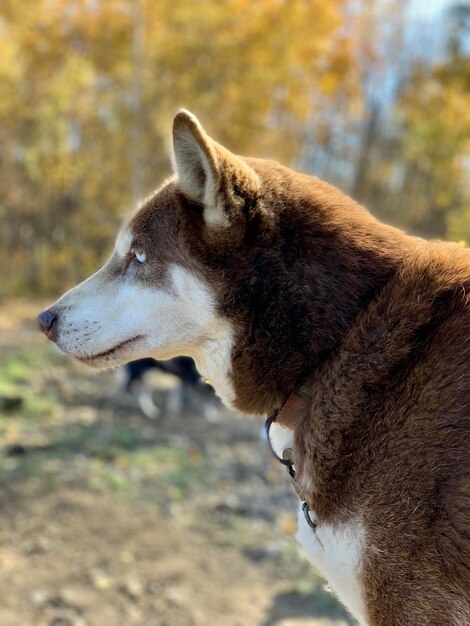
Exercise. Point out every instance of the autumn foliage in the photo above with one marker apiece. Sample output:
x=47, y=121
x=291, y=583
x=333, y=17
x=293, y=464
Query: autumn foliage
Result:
x=88, y=90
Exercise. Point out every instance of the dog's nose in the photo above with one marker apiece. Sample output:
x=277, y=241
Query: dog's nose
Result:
x=47, y=322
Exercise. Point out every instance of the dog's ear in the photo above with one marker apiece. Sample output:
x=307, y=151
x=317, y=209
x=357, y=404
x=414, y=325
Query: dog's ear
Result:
x=207, y=173
x=195, y=161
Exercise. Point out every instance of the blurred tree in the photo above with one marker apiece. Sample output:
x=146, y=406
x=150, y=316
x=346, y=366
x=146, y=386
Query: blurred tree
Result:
x=435, y=109
x=89, y=89
x=64, y=159
x=405, y=151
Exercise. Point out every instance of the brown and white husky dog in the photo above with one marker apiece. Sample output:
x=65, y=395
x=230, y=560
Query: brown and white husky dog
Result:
x=270, y=279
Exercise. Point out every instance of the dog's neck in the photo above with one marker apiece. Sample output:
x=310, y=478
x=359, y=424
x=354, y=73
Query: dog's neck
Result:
x=213, y=361
x=290, y=286
x=300, y=320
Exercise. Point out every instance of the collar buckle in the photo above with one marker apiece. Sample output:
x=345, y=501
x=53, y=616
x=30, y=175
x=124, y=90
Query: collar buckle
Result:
x=287, y=416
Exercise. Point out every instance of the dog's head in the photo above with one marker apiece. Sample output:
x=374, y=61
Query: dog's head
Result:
x=246, y=266
x=160, y=293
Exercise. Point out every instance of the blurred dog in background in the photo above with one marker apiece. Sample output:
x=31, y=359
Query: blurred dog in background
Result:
x=165, y=387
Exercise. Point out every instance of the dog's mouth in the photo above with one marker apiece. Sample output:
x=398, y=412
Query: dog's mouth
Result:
x=106, y=355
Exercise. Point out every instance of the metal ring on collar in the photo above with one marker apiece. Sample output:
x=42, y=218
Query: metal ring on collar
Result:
x=267, y=427
x=306, y=512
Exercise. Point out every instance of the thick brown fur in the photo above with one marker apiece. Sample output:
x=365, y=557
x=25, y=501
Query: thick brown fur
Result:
x=374, y=326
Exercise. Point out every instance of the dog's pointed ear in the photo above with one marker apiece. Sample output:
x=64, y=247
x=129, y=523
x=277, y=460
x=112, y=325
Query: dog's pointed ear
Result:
x=206, y=172
x=195, y=160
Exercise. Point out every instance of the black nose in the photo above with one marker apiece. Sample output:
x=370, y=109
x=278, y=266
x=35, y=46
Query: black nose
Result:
x=47, y=322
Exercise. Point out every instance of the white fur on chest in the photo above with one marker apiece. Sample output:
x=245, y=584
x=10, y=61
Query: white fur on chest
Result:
x=335, y=551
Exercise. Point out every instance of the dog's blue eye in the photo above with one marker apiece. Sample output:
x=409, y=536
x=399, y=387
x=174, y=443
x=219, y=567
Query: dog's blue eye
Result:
x=140, y=256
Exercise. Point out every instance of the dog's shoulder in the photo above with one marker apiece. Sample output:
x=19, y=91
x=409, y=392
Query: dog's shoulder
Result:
x=397, y=389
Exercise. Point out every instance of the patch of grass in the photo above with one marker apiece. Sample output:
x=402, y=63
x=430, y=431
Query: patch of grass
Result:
x=7, y=388
x=168, y=472
x=124, y=436
x=20, y=467
x=14, y=371
x=38, y=407
x=23, y=375
x=169, y=466
x=102, y=440
x=21, y=364
x=107, y=457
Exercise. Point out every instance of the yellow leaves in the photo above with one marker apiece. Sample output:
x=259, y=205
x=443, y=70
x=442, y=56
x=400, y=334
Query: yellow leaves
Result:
x=245, y=55
x=329, y=83
x=82, y=79
x=435, y=110
x=10, y=66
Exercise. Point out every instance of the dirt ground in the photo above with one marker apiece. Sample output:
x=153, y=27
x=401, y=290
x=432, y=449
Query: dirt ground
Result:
x=109, y=518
